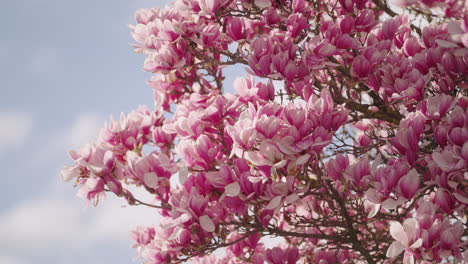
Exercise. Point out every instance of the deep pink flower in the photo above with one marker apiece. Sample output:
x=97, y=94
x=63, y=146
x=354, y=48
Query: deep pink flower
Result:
x=282, y=256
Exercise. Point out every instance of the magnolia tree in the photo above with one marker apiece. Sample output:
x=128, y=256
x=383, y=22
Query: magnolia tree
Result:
x=347, y=139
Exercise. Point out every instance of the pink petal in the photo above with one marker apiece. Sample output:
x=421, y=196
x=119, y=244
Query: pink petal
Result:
x=409, y=184
x=442, y=162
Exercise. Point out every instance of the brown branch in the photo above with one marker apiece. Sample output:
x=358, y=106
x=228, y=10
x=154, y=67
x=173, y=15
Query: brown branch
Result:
x=351, y=230
x=338, y=238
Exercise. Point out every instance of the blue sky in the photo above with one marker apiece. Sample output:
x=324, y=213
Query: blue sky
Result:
x=65, y=67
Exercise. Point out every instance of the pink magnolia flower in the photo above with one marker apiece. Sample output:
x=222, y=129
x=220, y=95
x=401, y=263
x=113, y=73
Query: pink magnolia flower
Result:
x=355, y=115
x=91, y=189
x=361, y=67
x=235, y=28
x=445, y=200
x=278, y=255
x=346, y=24
x=296, y=23
x=459, y=30
x=409, y=184
x=365, y=21
x=437, y=106
x=143, y=235
x=406, y=237
x=260, y=59
x=153, y=170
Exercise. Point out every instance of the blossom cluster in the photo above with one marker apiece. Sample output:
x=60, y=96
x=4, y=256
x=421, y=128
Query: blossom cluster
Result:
x=361, y=156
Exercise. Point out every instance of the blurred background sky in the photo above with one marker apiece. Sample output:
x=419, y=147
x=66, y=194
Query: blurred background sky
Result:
x=65, y=68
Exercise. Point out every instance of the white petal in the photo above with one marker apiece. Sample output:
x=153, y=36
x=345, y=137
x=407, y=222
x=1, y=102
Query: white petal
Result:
x=178, y=221
x=257, y=159
x=417, y=243
x=410, y=226
x=408, y=258
x=232, y=189
x=394, y=250
x=391, y=204
x=150, y=179
x=69, y=173
x=280, y=164
x=176, y=233
x=207, y=224
x=442, y=162
x=398, y=233
x=254, y=179
x=291, y=198
x=374, y=211
x=274, y=203
x=461, y=198
x=446, y=44
x=302, y=159
x=263, y=3
x=454, y=27
x=183, y=174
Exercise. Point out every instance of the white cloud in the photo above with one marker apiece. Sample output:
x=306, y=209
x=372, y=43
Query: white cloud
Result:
x=58, y=222
x=83, y=129
x=15, y=129
x=26, y=226
x=10, y=260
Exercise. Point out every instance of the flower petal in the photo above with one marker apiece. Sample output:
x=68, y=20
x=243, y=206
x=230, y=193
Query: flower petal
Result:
x=374, y=211
x=291, y=198
x=398, y=233
x=446, y=44
x=150, y=179
x=395, y=249
x=207, y=224
x=417, y=243
x=232, y=189
x=183, y=174
x=274, y=203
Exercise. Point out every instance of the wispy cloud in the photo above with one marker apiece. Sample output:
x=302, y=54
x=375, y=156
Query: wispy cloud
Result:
x=14, y=130
x=10, y=259
x=82, y=129
x=57, y=221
